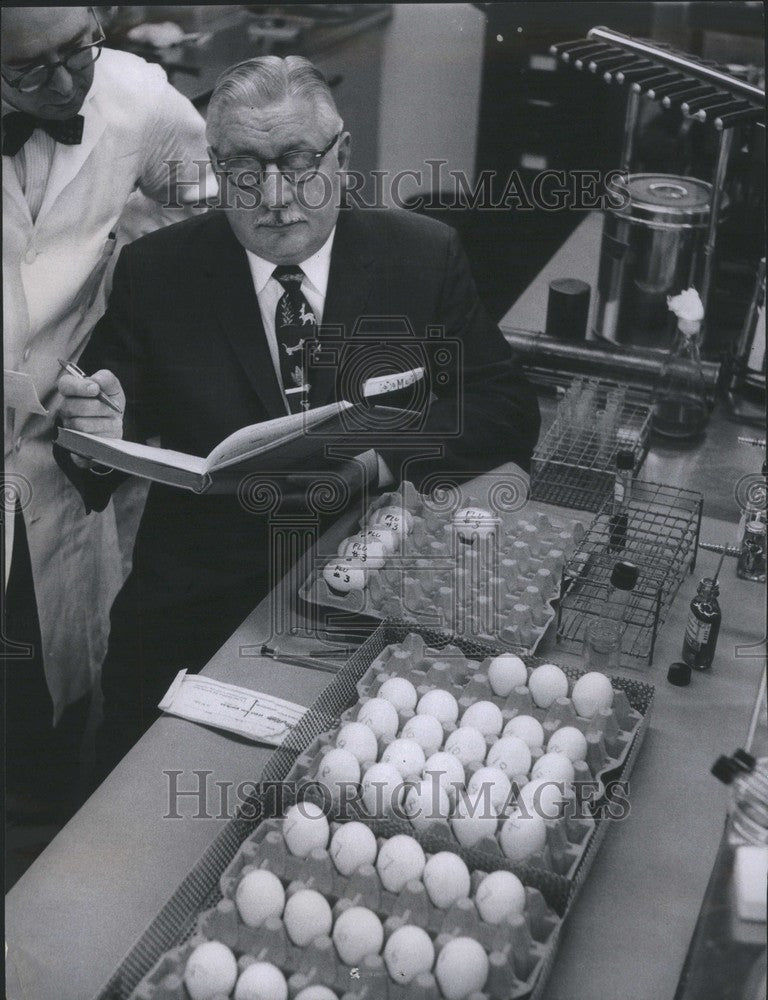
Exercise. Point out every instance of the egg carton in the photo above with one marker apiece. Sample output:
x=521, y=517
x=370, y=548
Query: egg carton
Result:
x=496, y=588
x=518, y=949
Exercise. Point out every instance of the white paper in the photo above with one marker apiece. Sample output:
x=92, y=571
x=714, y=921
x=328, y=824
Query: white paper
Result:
x=253, y=714
x=20, y=393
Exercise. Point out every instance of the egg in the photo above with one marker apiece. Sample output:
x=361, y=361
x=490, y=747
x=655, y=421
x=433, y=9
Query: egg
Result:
x=522, y=835
x=511, y=755
x=307, y=915
x=398, y=520
x=543, y=796
x=406, y=755
x=570, y=741
x=211, y=969
x=485, y=717
x=467, y=744
x=352, y=845
x=400, y=692
x=259, y=895
x=554, y=765
x=379, y=715
x=474, y=522
x=359, y=740
x=471, y=823
x=261, y=981
x=339, y=771
x=528, y=729
x=441, y=704
x=489, y=785
x=448, y=770
x=505, y=673
x=446, y=879
x=461, y=968
x=426, y=731
x=408, y=952
x=345, y=575
x=357, y=933
x=500, y=895
x=382, y=789
x=591, y=692
x=370, y=554
x=304, y=828
x=426, y=802
x=316, y=993
x=387, y=538
x=547, y=683
x=400, y=860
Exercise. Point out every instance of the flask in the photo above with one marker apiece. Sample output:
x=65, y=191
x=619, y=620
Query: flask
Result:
x=603, y=635
x=680, y=407
x=622, y=493
x=703, y=626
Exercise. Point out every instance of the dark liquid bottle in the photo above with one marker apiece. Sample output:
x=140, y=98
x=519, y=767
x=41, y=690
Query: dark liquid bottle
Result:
x=703, y=626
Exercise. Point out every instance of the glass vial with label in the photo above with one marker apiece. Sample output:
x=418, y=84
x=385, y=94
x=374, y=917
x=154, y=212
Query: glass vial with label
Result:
x=751, y=563
x=618, y=522
x=703, y=626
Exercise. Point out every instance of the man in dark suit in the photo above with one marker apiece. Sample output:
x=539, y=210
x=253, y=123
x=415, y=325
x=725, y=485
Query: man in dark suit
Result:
x=202, y=337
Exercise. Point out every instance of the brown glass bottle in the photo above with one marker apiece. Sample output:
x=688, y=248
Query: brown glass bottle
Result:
x=703, y=626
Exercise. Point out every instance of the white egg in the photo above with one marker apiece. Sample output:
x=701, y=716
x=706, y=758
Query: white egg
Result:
x=510, y=754
x=554, y=765
x=490, y=785
x=400, y=692
x=461, y=968
x=339, y=771
x=441, y=704
x=259, y=895
x=357, y=933
x=379, y=715
x=307, y=915
x=466, y=743
x=261, y=981
x=570, y=741
x=505, y=673
x=547, y=683
x=344, y=575
x=316, y=993
x=500, y=895
x=528, y=729
x=400, y=860
x=473, y=522
x=426, y=731
x=471, y=822
x=359, y=740
x=408, y=951
x=446, y=879
x=370, y=554
x=382, y=789
x=211, y=969
x=543, y=796
x=304, y=828
x=484, y=716
x=387, y=538
x=425, y=803
x=522, y=835
x=397, y=519
x=591, y=692
x=352, y=845
x=448, y=770
x=406, y=755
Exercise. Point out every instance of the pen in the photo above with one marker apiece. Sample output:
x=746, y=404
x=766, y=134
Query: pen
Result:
x=72, y=369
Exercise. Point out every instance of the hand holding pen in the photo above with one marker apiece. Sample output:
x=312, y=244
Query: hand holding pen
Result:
x=91, y=403
x=72, y=369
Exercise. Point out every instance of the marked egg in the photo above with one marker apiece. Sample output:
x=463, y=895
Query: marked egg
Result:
x=528, y=729
x=408, y=951
x=500, y=895
x=370, y=554
x=461, y=968
x=406, y=755
x=400, y=860
x=441, y=704
x=472, y=522
x=400, y=692
x=304, y=828
x=543, y=796
x=492, y=785
x=379, y=715
x=448, y=770
x=591, y=692
x=339, y=771
x=426, y=731
x=261, y=981
x=357, y=933
x=522, y=835
x=307, y=915
x=344, y=575
x=316, y=993
x=382, y=789
x=570, y=741
x=471, y=822
x=426, y=802
x=352, y=845
x=397, y=519
x=547, y=683
x=259, y=895
x=510, y=754
x=505, y=673
x=446, y=879
x=466, y=743
x=211, y=969
x=359, y=740
x=484, y=716
x=554, y=765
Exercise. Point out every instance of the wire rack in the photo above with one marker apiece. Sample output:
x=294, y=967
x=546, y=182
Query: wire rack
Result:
x=661, y=536
x=574, y=464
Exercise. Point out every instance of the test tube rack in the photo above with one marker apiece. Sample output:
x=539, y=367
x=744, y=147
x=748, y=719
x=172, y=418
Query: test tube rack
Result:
x=662, y=538
x=574, y=463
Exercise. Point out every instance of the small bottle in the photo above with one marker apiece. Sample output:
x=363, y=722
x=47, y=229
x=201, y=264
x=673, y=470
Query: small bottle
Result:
x=622, y=494
x=751, y=563
x=680, y=406
x=603, y=635
x=703, y=626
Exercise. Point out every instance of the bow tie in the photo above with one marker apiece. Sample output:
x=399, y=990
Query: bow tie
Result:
x=18, y=126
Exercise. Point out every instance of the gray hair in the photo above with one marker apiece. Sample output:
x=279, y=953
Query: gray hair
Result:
x=266, y=80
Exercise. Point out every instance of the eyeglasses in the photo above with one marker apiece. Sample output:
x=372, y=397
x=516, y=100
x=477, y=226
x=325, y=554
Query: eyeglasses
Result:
x=75, y=61
x=295, y=166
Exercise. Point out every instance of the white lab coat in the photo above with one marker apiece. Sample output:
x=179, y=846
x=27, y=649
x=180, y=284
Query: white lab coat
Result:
x=56, y=274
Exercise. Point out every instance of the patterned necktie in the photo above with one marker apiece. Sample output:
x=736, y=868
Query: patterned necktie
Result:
x=295, y=324
x=18, y=126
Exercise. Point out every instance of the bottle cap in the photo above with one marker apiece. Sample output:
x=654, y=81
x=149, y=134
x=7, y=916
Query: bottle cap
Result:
x=724, y=769
x=679, y=674
x=711, y=585
x=625, y=459
x=624, y=576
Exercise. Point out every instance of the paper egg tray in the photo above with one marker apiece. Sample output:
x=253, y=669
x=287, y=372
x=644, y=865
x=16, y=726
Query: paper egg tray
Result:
x=479, y=589
x=517, y=950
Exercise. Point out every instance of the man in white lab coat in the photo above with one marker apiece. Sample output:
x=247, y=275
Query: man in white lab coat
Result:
x=83, y=129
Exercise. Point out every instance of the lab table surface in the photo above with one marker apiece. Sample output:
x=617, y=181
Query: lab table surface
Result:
x=75, y=914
